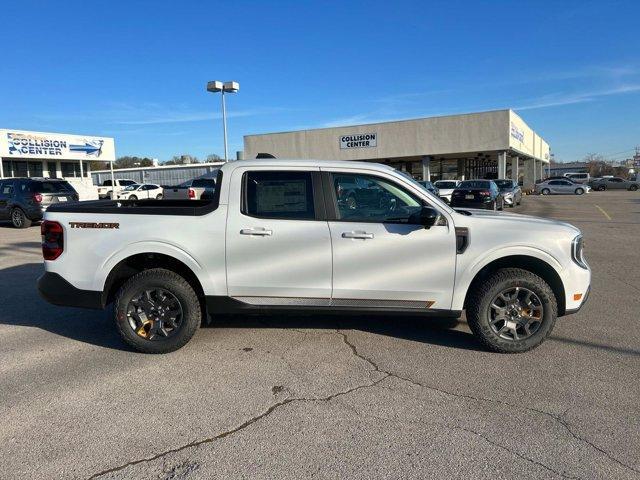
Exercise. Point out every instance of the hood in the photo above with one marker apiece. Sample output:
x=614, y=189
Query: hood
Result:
x=517, y=220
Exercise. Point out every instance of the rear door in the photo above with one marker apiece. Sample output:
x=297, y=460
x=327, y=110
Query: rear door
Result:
x=380, y=257
x=616, y=183
x=278, y=243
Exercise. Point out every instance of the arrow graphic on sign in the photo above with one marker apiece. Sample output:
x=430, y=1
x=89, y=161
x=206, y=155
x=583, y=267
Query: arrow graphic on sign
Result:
x=88, y=148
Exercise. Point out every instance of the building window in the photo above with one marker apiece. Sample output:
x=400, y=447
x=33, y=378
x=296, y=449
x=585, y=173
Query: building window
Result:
x=70, y=169
x=51, y=166
x=7, y=169
x=20, y=169
x=35, y=169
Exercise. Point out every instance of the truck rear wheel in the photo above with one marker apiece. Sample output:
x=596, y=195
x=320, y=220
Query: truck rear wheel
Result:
x=512, y=311
x=157, y=311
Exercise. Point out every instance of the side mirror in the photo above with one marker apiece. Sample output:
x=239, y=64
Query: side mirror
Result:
x=427, y=217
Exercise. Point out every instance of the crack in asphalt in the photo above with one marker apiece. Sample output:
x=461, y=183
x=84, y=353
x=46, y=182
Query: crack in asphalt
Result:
x=238, y=428
x=385, y=374
x=556, y=418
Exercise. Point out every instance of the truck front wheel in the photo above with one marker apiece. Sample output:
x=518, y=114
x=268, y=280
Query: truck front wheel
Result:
x=157, y=311
x=512, y=311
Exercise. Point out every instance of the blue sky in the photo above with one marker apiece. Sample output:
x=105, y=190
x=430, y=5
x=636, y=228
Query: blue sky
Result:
x=137, y=70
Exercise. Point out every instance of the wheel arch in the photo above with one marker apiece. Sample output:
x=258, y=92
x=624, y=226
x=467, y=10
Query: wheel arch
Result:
x=526, y=262
x=139, y=262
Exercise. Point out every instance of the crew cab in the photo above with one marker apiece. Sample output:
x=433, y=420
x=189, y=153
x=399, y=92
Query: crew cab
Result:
x=280, y=235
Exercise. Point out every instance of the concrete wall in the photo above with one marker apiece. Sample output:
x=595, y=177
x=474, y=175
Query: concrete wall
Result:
x=475, y=132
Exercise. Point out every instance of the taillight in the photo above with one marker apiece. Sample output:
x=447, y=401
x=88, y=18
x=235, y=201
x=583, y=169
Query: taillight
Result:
x=37, y=198
x=192, y=193
x=485, y=193
x=52, y=239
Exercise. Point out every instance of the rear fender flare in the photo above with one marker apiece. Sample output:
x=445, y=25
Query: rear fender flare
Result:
x=163, y=248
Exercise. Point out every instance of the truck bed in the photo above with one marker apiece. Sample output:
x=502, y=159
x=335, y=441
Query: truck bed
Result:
x=139, y=207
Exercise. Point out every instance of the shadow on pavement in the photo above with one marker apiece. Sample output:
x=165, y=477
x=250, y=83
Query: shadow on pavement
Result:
x=431, y=330
x=21, y=305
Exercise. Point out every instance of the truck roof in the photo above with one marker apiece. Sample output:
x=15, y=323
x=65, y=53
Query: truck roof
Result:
x=280, y=162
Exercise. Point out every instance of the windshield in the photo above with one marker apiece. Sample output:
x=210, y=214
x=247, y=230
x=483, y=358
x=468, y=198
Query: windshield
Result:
x=130, y=188
x=433, y=198
x=475, y=184
x=444, y=184
x=426, y=184
x=504, y=184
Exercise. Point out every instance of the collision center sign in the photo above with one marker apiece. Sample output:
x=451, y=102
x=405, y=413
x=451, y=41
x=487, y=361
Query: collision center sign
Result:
x=359, y=140
x=23, y=144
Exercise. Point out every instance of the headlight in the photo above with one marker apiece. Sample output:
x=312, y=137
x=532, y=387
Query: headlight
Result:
x=577, y=252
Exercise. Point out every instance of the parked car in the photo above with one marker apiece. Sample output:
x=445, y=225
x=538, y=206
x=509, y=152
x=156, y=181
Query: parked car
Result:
x=578, y=177
x=556, y=177
x=510, y=190
x=106, y=190
x=613, y=183
x=478, y=194
x=446, y=188
x=195, y=189
x=24, y=200
x=561, y=187
x=141, y=192
x=431, y=187
x=513, y=274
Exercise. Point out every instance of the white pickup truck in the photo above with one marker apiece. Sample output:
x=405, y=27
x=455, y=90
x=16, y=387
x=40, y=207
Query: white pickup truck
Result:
x=278, y=236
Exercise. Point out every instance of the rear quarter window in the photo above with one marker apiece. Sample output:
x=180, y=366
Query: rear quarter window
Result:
x=51, y=187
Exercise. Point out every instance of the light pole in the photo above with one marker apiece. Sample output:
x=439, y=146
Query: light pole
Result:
x=223, y=87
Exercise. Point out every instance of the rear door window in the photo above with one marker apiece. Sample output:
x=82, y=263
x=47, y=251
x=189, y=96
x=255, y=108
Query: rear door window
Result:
x=278, y=195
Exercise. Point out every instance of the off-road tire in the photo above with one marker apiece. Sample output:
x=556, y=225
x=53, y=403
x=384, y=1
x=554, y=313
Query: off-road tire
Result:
x=19, y=219
x=180, y=288
x=478, y=307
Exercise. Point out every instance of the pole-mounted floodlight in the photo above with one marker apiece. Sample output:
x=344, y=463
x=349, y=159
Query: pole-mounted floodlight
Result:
x=215, y=86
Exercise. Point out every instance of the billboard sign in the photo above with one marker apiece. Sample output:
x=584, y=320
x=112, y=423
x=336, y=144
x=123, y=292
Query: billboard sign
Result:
x=23, y=144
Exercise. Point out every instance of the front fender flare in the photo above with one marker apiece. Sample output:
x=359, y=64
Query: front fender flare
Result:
x=464, y=278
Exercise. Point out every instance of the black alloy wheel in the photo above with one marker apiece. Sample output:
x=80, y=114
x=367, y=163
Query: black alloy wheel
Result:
x=154, y=314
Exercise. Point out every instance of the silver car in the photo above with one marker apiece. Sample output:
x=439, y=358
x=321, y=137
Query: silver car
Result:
x=613, y=183
x=561, y=187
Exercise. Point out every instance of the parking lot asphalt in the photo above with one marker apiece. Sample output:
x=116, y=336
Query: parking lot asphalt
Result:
x=328, y=397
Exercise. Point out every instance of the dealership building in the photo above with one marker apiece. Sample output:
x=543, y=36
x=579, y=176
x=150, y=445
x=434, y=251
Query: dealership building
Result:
x=55, y=155
x=495, y=144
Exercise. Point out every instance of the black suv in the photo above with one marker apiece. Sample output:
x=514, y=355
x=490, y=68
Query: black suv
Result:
x=24, y=200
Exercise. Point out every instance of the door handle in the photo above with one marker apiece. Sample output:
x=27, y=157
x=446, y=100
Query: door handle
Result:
x=261, y=232
x=360, y=235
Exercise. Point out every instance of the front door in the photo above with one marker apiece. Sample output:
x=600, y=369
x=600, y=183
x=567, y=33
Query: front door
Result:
x=278, y=243
x=381, y=257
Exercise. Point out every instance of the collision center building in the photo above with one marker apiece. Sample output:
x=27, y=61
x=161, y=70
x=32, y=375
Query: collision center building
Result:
x=495, y=144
